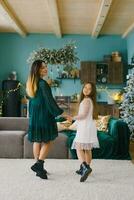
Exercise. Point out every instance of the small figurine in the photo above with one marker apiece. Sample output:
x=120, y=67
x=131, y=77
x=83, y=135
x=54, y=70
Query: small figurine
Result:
x=12, y=76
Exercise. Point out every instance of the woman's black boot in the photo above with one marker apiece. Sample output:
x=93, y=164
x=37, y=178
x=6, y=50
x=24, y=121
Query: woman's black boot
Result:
x=38, y=166
x=41, y=174
x=86, y=170
x=40, y=170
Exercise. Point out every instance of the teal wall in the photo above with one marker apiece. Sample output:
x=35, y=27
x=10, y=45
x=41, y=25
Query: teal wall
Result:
x=130, y=46
x=14, y=51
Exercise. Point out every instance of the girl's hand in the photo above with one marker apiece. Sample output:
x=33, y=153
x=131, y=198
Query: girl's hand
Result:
x=69, y=118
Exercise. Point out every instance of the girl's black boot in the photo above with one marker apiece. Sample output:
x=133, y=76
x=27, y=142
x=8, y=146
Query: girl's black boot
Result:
x=86, y=170
x=79, y=171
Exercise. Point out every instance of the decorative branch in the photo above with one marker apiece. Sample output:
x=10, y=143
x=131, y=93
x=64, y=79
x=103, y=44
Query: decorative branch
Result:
x=63, y=56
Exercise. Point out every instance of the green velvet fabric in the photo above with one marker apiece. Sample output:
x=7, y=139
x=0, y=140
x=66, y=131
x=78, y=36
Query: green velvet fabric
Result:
x=114, y=144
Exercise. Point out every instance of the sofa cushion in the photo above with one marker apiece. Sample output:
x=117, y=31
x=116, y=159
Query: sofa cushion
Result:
x=11, y=144
x=107, y=145
x=58, y=150
x=102, y=123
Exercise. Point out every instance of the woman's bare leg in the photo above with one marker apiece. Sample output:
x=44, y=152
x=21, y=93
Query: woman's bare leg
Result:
x=36, y=150
x=44, y=150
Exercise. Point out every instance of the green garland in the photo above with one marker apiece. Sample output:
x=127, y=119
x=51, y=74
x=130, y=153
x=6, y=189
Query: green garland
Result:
x=63, y=56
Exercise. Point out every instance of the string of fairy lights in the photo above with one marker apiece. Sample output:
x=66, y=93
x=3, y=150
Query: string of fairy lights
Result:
x=103, y=89
x=8, y=92
x=99, y=89
x=117, y=96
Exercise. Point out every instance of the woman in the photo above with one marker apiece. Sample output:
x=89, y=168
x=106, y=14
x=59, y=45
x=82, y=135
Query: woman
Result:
x=42, y=112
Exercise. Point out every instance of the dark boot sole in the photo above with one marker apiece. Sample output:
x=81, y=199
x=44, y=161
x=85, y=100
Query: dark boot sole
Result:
x=79, y=173
x=41, y=175
x=34, y=169
x=90, y=171
x=83, y=178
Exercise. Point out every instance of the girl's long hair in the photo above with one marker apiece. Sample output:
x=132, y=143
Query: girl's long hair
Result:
x=33, y=78
x=92, y=95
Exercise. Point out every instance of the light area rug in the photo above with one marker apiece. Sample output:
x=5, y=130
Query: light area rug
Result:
x=110, y=180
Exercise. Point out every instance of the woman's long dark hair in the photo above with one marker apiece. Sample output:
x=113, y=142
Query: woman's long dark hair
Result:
x=92, y=95
x=33, y=78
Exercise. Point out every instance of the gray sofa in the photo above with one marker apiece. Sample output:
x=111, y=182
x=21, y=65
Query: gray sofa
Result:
x=14, y=142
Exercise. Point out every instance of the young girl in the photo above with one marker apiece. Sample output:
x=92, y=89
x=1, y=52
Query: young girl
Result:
x=86, y=135
x=42, y=112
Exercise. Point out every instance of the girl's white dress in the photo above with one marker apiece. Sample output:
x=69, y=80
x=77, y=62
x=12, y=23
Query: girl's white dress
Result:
x=86, y=134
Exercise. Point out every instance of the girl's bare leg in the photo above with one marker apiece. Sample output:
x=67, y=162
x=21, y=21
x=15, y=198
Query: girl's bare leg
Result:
x=88, y=156
x=80, y=155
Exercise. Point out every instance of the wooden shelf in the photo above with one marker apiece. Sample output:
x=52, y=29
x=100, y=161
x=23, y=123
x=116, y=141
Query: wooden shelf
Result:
x=68, y=78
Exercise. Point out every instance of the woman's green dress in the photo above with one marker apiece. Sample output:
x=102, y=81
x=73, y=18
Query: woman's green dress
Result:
x=42, y=112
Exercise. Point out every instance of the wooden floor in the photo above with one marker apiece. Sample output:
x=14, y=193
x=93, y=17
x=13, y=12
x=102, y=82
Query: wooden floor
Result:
x=131, y=150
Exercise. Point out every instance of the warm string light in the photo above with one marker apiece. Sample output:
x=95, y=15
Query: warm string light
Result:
x=15, y=89
x=104, y=89
x=12, y=90
x=115, y=96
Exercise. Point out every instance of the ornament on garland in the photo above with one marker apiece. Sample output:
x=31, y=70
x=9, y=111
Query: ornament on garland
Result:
x=63, y=56
x=70, y=72
x=127, y=106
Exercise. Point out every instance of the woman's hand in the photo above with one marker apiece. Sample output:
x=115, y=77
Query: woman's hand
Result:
x=68, y=117
x=63, y=115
